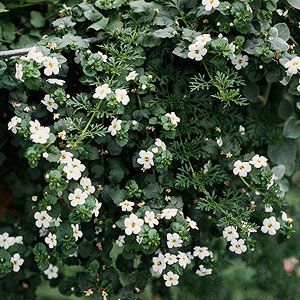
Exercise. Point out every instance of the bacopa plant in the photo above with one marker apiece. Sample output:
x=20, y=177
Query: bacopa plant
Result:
x=152, y=138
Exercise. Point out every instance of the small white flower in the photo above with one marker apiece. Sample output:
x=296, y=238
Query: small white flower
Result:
x=120, y=241
x=50, y=103
x=270, y=226
x=56, y=221
x=51, y=272
x=19, y=72
x=160, y=144
x=173, y=118
x=230, y=233
x=6, y=241
x=96, y=209
x=171, y=279
x=78, y=197
x=241, y=130
x=131, y=76
x=133, y=224
x=65, y=157
x=196, y=51
x=121, y=96
x=171, y=258
x=145, y=159
x=241, y=168
x=13, y=124
x=102, y=91
x=115, y=126
x=17, y=262
x=51, y=66
x=103, y=56
x=34, y=126
x=42, y=219
x=169, y=213
x=56, y=81
x=192, y=224
x=35, y=55
x=50, y=239
x=201, y=252
x=86, y=184
x=219, y=141
x=268, y=208
x=40, y=134
x=293, y=66
x=183, y=259
x=240, y=61
x=159, y=263
x=258, y=161
x=238, y=246
x=210, y=4
x=202, y=271
x=203, y=39
x=74, y=169
x=150, y=218
x=77, y=233
x=127, y=205
x=174, y=240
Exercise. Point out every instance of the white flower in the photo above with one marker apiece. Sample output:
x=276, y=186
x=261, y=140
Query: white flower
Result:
x=146, y=159
x=258, y=161
x=241, y=168
x=17, y=261
x=293, y=66
x=270, y=225
x=171, y=258
x=13, y=124
x=41, y=135
x=168, y=213
x=6, y=241
x=50, y=239
x=56, y=81
x=171, y=278
x=219, y=141
x=56, y=221
x=87, y=185
x=19, y=72
x=285, y=218
x=210, y=4
x=65, y=157
x=76, y=231
x=102, y=91
x=240, y=61
x=121, y=96
x=159, y=263
x=133, y=224
x=174, y=240
x=173, y=118
x=127, y=205
x=150, y=218
x=201, y=252
x=192, y=224
x=183, y=259
x=34, y=126
x=203, y=39
x=96, y=209
x=268, y=208
x=131, y=76
x=78, y=197
x=241, y=130
x=50, y=103
x=238, y=246
x=42, y=219
x=120, y=241
x=74, y=169
x=196, y=51
x=103, y=56
x=115, y=126
x=203, y=271
x=230, y=233
x=160, y=144
x=51, y=66
x=35, y=55
x=51, y=272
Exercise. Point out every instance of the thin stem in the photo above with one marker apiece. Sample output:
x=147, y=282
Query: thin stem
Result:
x=207, y=71
x=139, y=100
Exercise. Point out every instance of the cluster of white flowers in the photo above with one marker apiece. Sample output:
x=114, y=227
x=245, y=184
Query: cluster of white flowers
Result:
x=39, y=134
x=231, y=235
x=242, y=168
x=197, y=50
x=13, y=124
x=173, y=118
x=102, y=91
x=73, y=167
x=293, y=66
x=7, y=241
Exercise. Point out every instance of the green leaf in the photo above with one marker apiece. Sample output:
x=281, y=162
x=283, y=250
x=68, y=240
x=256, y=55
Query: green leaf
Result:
x=2, y=8
x=101, y=24
x=292, y=128
x=294, y=3
x=283, y=31
x=164, y=33
x=36, y=19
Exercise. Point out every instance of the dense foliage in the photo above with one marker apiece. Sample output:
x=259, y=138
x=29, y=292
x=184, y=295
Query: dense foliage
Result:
x=151, y=141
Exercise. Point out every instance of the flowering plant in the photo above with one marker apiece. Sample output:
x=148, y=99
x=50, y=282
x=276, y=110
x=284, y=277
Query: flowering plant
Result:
x=151, y=151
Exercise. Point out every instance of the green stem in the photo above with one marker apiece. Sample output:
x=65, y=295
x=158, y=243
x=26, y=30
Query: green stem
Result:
x=139, y=100
x=207, y=71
